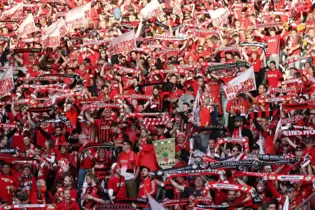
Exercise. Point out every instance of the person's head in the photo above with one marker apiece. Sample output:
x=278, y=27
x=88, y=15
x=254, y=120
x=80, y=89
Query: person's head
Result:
x=228, y=55
x=238, y=122
x=236, y=149
x=199, y=182
x=291, y=192
x=260, y=186
x=67, y=194
x=116, y=169
x=91, y=179
x=180, y=179
x=160, y=129
x=26, y=140
x=26, y=170
x=115, y=128
x=41, y=185
x=185, y=107
x=262, y=89
x=308, y=143
x=143, y=133
x=267, y=169
x=155, y=91
x=101, y=152
x=145, y=172
x=254, y=55
x=127, y=146
x=293, y=32
x=180, y=138
x=5, y=169
x=299, y=152
x=272, y=31
x=173, y=79
x=231, y=195
x=68, y=181
x=107, y=112
x=272, y=65
x=68, y=107
x=58, y=131
x=200, y=81
x=272, y=206
x=3, y=141
x=211, y=143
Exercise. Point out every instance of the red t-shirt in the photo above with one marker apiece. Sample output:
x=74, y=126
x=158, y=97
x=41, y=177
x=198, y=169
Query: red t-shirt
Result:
x=114, y=183
x=273, y=77
x=273, y=43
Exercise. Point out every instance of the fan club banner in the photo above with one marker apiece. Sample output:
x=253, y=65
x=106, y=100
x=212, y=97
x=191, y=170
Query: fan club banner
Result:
x=6, y=82
x=153, y=9
x=124, y=43
x=78, y=16
x=27, y=26
x=219, y=16
x=165, y=152
x=243, y=83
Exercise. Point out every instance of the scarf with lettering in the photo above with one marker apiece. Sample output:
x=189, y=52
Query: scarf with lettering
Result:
x=100, y=106
x=228, y=66
x=241, y=141
x=156, y=121
x=262, y=45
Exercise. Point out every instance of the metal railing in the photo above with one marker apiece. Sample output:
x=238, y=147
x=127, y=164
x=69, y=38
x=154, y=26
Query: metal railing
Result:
x=306, y=205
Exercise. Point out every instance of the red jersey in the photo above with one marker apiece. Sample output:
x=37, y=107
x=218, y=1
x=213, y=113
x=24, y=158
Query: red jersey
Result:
x=104, y=132
x=68, y=205
x=117, y=184
x=8, y=184
x=146, y=186
x=273, y=77
x=95, y=191
x=273, y=43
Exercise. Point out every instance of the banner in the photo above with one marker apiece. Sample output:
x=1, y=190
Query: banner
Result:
x=27, y=26
x=242, y=83
x=298, y=133
x=78, y=16
x=124, y=43
x=165, y=152
x=14, y=12
x=6, y=82
x=152, y=9
x=219, y=16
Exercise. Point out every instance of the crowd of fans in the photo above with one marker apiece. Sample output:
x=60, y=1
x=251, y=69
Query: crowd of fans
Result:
x=78, y=128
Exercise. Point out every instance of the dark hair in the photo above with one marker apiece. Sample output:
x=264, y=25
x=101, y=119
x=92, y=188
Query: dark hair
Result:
x=128, y=142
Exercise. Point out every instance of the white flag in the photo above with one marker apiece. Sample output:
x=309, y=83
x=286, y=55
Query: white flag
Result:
x=219, y=16
x=14, y=12
x=124, y=43
x=27, y=26
x=242, y=83
x=153, y=9
x=154, y=204
x=78, y=16
x=6, y=82
x=51, y=35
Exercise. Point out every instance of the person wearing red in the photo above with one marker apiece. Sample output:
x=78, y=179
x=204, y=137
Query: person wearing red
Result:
x=41, y=195
x=27, y=180
x=273, y=75
x=8, y=184
x=116, y=184
x=102, y=163
x=67, y=185
x=85, y=159
x=129, y=163
x=94, y=194
x=67, y=203
x=147, y=185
